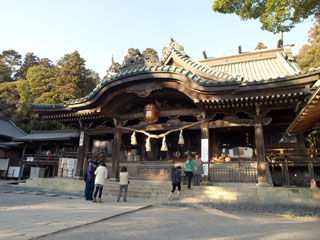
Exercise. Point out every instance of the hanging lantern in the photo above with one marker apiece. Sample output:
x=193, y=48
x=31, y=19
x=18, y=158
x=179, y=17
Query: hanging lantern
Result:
x=164, y=146
x=133, y=139
x=151, y=113
x=148, y=145
x=181, y=140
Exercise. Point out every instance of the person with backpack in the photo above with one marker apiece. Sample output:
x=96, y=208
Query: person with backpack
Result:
x=176, y=182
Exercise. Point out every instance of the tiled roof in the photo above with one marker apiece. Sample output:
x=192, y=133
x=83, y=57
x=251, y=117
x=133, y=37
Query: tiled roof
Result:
x=152, y=69
x=257, y=66
x=176, y=52
x=308, y=116
x=48, y=136
x=9, y=129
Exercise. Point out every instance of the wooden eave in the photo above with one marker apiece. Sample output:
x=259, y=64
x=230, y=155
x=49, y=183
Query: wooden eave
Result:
x=309, y=117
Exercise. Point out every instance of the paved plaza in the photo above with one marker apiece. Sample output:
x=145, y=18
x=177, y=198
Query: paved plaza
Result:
x=26, y=214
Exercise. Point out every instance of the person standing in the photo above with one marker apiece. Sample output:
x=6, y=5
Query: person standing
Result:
x=101, y=174
x=197, y=171
x=176, y=182
x=89, y=179
x=123, y=184
x=189, y=169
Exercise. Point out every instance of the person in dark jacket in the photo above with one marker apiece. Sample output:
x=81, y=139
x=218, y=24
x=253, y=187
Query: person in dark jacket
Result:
x=89, y=179
x=176, y=182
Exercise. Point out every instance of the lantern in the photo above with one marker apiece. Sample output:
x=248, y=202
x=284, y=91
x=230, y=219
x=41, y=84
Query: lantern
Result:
x=151, y=113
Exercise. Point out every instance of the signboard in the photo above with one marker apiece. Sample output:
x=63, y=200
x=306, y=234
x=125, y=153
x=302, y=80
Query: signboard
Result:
x=4, y=164
x=205, y=155
x=81, y=139
x=29, y=159
x=13, y=172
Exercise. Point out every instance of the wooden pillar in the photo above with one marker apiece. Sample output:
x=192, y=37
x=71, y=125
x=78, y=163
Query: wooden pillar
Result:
x=205, y=145
x=86, y=150
x=21, y=162
x=260, y=153
x=116, y=154
x=215, y=147
x=313, y=183
x=143, y=148
x=285, y=173
x=81, y=153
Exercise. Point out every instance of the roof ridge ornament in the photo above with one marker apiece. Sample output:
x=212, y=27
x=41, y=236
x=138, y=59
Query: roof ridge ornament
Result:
x=171, y=46
x=139, y=60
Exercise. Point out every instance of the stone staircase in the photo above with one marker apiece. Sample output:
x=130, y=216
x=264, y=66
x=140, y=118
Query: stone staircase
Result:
x=239, y=193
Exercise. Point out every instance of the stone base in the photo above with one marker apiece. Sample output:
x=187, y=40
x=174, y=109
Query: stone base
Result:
x=263, y=184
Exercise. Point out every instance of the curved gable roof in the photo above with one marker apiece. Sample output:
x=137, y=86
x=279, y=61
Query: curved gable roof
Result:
x=9, y=129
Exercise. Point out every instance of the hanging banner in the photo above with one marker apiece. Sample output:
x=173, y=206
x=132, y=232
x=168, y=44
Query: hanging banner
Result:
x=205, y=155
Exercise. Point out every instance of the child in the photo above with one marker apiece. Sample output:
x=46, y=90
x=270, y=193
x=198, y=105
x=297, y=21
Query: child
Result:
x=176, y=182
x=101, y=174
x=123, y=184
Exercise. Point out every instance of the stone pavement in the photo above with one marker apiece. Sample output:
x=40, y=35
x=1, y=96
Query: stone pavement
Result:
x=26, y=215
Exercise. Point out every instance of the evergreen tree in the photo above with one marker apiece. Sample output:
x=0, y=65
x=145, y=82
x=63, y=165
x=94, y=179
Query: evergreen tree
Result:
x=5, y=73
x=38, y=86
x=30, y=60
x=309, y=54
x=73, y=79
x=12, y=60
x=9, y=99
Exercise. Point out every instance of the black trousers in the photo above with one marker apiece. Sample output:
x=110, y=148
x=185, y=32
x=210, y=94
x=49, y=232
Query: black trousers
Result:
x=189, y=176
x=174, y=185
x=98, y=188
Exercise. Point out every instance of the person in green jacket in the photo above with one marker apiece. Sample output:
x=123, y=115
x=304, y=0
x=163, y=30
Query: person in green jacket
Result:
x=189, y=169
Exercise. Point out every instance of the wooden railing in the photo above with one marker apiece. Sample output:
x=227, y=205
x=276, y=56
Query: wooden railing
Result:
x=287, y=161
x=97, y=157
x=39, y=158
x=236, y=174
x=50, y=158
x=293, y=155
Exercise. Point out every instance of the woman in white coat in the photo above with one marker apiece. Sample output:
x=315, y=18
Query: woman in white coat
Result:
x=101, y=174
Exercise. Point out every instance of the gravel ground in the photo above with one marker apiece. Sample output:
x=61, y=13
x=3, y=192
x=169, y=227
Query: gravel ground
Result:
x=190, y=223
x=17, y=188
x=292, y=211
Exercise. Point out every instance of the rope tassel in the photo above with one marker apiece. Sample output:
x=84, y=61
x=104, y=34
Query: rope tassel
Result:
x=181, y=139
x=148, y=145
x=133, y=139
x=164, y=146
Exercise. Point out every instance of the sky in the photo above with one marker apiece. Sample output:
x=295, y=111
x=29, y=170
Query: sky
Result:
x=98, y=29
